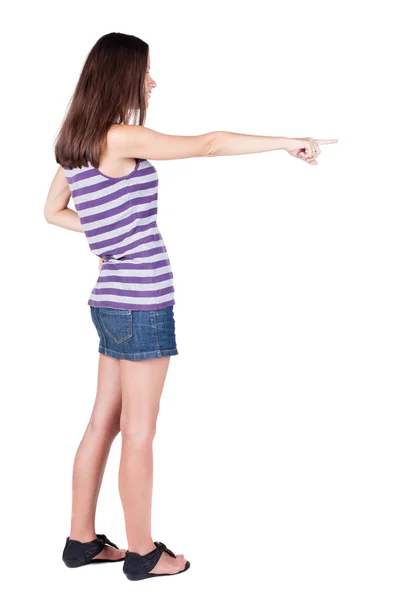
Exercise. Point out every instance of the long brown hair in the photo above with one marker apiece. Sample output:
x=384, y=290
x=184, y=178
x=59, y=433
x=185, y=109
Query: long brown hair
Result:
x=110, y=90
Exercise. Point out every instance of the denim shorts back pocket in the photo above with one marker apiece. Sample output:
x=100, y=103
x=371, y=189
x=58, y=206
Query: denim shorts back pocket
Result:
x=117, y=323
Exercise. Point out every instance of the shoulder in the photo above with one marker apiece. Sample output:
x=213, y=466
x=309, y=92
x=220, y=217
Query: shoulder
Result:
x=137, y=140
x=121, y=138
x=117, y=132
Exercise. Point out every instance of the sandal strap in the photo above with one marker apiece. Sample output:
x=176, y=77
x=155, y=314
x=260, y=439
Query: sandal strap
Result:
x=144, y=563
x=104, y=538
x=163, y=547
x=93, y=548
x=84, y=552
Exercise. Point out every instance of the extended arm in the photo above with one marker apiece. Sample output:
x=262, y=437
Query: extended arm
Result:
x=136, y=140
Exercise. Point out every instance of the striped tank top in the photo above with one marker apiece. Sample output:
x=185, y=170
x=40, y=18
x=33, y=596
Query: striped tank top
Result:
x=119, y=218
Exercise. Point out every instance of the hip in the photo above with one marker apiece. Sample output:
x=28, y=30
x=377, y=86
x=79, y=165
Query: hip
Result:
x=135, y=334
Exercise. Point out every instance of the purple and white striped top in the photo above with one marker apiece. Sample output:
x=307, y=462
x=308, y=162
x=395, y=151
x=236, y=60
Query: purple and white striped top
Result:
x=119, y=219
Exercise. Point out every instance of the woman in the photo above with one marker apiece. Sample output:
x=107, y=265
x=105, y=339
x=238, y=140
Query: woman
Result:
x=104, y=166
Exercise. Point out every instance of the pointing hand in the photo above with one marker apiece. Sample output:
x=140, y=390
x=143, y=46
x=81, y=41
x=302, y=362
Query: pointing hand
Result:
x=306, y=149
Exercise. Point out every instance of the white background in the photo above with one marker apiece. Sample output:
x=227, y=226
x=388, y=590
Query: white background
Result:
x=276, y=454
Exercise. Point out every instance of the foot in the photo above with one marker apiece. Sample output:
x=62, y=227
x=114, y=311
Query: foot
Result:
x=110, y=553
x=168, y=564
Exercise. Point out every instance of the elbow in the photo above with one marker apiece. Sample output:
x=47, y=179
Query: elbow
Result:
x=212, y=143
x=47, y=216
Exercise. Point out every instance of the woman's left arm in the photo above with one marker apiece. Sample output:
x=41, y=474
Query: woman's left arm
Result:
x=56, y=209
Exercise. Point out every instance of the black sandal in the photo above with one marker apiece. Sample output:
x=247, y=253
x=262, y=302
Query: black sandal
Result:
x=77, y=554
x=137, y=566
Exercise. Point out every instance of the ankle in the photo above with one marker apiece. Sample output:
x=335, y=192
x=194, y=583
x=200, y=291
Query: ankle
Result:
x=142, y=548
x=81, y=536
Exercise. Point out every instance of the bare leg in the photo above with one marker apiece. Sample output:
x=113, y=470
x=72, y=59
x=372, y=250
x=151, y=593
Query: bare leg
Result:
x=92, y=454
x=142, y=384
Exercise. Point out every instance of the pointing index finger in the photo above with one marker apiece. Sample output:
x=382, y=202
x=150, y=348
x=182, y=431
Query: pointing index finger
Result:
x=326, y=141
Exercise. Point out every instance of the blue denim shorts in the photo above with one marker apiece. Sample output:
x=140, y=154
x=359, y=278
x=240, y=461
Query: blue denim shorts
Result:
x=135, y=334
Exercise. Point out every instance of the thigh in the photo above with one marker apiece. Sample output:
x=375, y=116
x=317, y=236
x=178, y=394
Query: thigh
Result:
x=142, y=383
x=108, y=404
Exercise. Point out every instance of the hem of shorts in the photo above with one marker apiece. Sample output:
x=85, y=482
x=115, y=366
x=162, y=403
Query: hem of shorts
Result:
x=138, y=355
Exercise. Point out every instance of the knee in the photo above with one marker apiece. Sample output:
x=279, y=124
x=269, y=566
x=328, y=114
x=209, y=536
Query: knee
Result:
x=103, y=429
x=137, y=436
